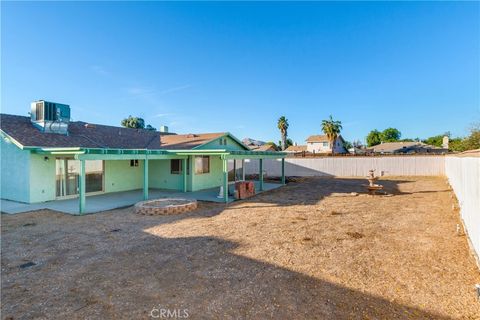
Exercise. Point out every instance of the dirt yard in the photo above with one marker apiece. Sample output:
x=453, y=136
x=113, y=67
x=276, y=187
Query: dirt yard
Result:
x=310, y=250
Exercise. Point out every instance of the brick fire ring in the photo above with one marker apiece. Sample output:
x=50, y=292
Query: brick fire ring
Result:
x=167, y=206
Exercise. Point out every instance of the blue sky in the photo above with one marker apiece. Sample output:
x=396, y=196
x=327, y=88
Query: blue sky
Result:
x=207, y=67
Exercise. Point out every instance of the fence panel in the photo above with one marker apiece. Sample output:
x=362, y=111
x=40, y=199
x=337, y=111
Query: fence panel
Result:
x=463, y=173
x=353, y=166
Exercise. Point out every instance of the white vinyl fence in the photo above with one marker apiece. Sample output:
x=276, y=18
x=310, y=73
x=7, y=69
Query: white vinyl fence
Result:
x=352, y=166
x=463, y=173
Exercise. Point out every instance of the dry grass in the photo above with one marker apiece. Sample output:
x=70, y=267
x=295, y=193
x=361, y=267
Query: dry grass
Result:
x=292, y=253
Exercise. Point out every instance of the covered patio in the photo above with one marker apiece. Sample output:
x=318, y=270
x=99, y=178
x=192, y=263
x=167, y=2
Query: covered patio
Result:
x=111, y=200
x=115, y=200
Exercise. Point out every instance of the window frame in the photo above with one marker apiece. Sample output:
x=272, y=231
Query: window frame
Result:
x=197, y=171
x=180, y=169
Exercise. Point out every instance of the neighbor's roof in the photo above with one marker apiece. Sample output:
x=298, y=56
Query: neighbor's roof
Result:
x=85, y=135
x=469, y=153
x=265, y=147
x=188, y=141
x=398, y=146
x=296, y=149
x=320, y=138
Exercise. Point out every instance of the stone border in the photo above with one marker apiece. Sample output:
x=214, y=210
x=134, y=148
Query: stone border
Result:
x=154, y=207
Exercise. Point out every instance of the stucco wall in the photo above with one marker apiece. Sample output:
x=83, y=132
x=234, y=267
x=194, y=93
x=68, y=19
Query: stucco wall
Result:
x=42, y=178
x=208, y=180
x=159, y=175
x=119, y=176
x=15, y=172
x=318, y=147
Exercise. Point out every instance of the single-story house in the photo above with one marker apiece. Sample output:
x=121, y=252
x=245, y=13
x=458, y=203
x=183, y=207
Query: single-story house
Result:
x=47, y=157
x=296, y=149
x=321, y=144
x=406, y=148
x=264, y=147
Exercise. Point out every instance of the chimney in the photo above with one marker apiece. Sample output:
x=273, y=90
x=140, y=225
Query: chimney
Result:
x=445, y=142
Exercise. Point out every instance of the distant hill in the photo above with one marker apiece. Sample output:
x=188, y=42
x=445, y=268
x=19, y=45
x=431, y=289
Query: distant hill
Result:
x=252, y=142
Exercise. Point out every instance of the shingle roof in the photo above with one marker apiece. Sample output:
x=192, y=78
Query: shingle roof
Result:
x=406, y=146
x=265, y=147
x=80, y=134
x=320, y=138
x=188, y=141
x=296, y=148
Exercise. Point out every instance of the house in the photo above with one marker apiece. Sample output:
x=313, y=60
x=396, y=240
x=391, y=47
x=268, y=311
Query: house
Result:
x=264, y=147
x=321, y=144
x=406, y=148
x=47, y=157
x=296, y=149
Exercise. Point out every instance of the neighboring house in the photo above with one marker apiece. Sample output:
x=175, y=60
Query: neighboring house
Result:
x=321, y=144
x=296, y=149
x=265, y=147
x=406, y=148
x=47, y=157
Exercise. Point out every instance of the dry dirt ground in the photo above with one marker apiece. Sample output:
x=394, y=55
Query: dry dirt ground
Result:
x=305, y=251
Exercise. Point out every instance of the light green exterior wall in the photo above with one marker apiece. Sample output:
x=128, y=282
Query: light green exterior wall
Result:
x=42, y=178
x=29, y=178
x=15, y=172
x=120, y=176
x=159, y=175
x=215, y=144
x=208, y=180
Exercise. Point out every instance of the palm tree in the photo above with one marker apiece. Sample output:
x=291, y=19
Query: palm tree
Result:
x=283, y=127
x=332, y=129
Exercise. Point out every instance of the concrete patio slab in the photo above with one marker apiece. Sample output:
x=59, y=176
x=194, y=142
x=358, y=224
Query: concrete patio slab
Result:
x=109, y=201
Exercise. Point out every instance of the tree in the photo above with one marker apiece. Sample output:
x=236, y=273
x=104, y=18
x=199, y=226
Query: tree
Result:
x=136, y=123
x=391, y=135
x=332, y=129
x=271, y=143
x=434, y=141
x=282, y=125
x=149, y=127
x=347, y=145
x=374, y=138
x=472, y=142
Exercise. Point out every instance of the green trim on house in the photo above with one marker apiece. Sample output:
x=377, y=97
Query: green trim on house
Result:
x=37, y=174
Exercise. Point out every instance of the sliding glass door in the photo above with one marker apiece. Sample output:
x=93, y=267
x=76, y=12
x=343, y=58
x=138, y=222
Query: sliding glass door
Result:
x=68, y=173
x=235, y=170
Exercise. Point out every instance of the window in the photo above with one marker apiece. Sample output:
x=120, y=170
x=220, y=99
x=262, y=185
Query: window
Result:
x=175, y=166
x=202, y=164
x=133, y=163
x=325, y=144
x=223, y=141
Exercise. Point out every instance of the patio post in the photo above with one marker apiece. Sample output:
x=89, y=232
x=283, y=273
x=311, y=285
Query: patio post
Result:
x=145, y=178
x=81, y=187
x=184, y=172
x=225, y=180
x=283, y=170
x=260, y=175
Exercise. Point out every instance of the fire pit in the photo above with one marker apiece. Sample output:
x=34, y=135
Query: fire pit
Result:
x=167, y=206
